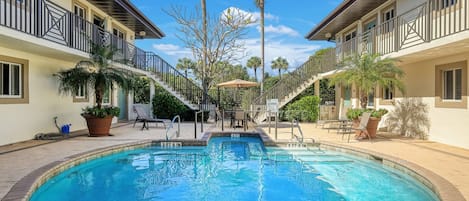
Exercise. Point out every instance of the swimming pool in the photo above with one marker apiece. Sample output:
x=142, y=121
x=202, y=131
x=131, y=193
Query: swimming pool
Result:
x=231, y=169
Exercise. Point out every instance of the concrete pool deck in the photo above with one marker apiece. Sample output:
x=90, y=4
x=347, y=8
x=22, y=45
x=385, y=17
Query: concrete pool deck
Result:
x=446, y=161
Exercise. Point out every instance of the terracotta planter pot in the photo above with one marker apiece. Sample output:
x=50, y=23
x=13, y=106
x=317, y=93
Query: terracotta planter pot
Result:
x=98, y=127
x=372, y=126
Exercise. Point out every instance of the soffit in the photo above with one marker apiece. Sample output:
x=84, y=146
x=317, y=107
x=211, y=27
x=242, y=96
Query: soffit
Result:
x=345, y=14
x=127, y=14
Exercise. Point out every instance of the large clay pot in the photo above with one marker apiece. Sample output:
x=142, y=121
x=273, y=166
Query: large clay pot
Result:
x=98, y=127
x=372, y=126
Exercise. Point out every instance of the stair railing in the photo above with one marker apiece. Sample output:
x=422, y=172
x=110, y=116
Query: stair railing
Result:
x=294, y=80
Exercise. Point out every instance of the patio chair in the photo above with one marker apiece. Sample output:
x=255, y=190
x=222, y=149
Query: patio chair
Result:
x=239, y=116
x=362, y=126
x=142, y=116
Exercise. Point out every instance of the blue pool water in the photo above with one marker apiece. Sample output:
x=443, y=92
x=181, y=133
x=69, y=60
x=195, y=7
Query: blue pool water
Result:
x=230, y=169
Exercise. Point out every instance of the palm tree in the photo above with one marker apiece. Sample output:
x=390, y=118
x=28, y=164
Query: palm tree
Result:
x=95, y=73
x=185, y=64
x=254, y=63
x=205, y=44
x=366, y=71
x=260, y=5
x=280, y=64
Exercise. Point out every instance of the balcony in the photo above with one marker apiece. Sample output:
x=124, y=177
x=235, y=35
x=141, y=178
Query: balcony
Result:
x=424, y=24
x=48, y=21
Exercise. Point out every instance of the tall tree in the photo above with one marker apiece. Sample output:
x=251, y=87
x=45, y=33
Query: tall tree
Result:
x=260, y=5
x=254, y=63
x=222, y=44
x=366, y=72
x=280, y=64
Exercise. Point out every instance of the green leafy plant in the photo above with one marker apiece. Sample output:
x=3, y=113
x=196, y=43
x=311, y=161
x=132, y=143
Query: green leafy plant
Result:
x=141, y=88
x=354, y=113
x=305, y=109
x=166, y=105
x=409, y=118
x=378, y=113
x=357, y=112
x=95, y=73
x=101, y=112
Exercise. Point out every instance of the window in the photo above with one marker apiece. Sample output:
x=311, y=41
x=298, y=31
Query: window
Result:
x=81, y=95
x=81, y=16
x=81, y=92
x=371, y=98
x=10, y=80
x=350, y=35
x=388, y=20
x=452, y=84
x=388, y=93
x=13, y=80
x=447, y=3
x=118, y=39
x=107, y=96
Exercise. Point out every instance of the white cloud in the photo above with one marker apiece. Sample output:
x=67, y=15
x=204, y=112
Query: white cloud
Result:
x=281, y=29
x=253, y=16
x=295, y=53
x=173, y=50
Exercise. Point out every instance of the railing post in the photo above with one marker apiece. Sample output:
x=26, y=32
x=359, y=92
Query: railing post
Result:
x=195, y=126
x=428, y=17
x=396, y=37
x=292, y=128
x=202, y=123
x=276, y=124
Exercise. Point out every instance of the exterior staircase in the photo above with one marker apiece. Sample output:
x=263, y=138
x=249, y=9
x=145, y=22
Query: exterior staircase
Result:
x=65, y=28
x=294, y=83
x=173, y=81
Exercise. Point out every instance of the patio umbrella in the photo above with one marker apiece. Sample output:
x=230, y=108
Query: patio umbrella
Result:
x=237, y=83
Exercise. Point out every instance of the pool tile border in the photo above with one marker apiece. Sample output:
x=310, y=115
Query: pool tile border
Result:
x=440, y=186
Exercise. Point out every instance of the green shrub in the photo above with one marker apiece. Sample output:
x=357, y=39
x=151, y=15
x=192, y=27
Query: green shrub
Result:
x=166, y=105
x=355, y=113
x=101, y=112
x=305, y=109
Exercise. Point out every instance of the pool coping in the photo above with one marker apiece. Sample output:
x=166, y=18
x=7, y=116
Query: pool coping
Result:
x=26, y=186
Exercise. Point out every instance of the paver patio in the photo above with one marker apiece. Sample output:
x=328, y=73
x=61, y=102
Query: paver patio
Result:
x=449, y=162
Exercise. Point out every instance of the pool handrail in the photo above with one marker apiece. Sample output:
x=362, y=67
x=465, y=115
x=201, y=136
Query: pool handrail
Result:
x=178, y=132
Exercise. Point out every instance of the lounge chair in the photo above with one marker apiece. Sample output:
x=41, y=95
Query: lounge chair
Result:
x=362, y=126
x=142, y=116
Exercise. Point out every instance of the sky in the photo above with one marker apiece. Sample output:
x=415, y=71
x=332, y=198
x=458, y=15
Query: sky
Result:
x=286, y=24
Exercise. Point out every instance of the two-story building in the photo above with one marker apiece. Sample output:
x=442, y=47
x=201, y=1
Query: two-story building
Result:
x=41, y=37
x=430, y=40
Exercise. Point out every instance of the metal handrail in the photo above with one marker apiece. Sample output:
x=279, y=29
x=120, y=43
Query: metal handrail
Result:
x=300, y=138
x=178, y=132
x=201, y=123
x=295, y=79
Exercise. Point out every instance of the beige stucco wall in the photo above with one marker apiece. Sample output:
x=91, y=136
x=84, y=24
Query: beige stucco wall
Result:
x=448, y=125
x=20, y=122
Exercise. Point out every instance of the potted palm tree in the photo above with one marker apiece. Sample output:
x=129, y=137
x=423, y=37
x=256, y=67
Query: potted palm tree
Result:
x=366, y=72
x=96, y=73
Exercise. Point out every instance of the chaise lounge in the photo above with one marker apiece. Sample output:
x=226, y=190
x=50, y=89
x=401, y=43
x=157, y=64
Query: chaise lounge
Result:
x=142, y=116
